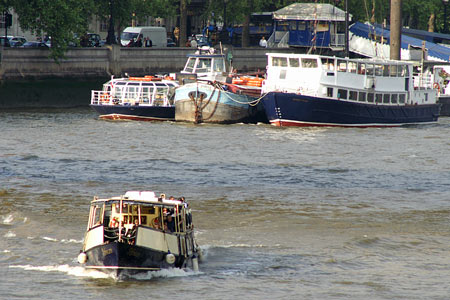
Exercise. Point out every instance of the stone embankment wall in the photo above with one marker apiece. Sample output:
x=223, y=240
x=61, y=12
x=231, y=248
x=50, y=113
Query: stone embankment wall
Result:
x=107, y=61
x=29, y=78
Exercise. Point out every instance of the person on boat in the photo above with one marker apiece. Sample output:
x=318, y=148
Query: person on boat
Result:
x=170, y=223
x=156, y=223
x=263, y=42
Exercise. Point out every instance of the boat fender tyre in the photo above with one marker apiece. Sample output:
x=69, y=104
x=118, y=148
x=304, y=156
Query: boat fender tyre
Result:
x=170, y=258
x=82, y=258
x=195, y=264
x=200, y=254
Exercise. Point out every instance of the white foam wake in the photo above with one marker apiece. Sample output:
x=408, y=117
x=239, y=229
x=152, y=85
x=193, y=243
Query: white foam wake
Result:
x=64, y=241
x=9, y=234
x=91, y=273
x=70, y=270
x=7, y=219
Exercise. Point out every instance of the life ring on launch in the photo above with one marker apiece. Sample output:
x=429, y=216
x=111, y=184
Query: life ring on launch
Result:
x=437, y=86
x=104, y=97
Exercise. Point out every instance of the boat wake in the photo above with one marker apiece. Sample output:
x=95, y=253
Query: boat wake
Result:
x=164, y=273
x=70, y=270
x=63, y=241
x=79, y=271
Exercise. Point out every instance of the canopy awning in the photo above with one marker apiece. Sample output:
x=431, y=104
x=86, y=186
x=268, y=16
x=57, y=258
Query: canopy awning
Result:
x=310, y=12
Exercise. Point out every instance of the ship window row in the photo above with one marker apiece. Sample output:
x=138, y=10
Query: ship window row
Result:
x=382, y=98
x=364, y=68
x=204, y=65
x=145, y=93
x=294, y=62
x=341, y=65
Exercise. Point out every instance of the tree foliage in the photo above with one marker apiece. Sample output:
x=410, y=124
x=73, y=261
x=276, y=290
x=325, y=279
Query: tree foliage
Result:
x=127, y=11
x=62, y=20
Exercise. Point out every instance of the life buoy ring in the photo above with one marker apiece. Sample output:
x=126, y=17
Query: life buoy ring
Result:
x=104, y=97
x=114, y=223
x=437, y=86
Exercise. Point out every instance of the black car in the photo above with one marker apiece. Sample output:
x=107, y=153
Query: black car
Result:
x=4, y=41
x=15, y=44
x=36, y=44
x=90, y=40
x=170, y=43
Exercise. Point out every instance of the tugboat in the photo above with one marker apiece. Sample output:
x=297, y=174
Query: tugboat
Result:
x=139, y=232
x=217, y=96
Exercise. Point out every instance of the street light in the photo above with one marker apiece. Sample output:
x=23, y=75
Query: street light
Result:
x=445, y=3
x=225, y=13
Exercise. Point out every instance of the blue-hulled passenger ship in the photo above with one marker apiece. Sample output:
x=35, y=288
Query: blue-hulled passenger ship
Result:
x=314, y=90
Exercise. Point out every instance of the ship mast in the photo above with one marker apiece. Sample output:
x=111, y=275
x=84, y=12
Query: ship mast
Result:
x=347, y=52
x=396, y=29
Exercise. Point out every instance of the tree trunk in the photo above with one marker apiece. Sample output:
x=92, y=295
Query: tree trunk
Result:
x=246, y=31
x=246, y=25
x=183, y=23
x=431, y=23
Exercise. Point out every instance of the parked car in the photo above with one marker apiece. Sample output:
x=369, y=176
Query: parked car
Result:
x=202, y=40
x=35, y=44
x=21, y=39
x=15, y=44
x=170, y=43
x=4, y=42
x=90, y=40
x=94, y=39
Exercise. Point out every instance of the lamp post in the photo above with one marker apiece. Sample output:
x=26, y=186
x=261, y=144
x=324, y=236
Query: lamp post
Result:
x=445, y=3
x=225, y=13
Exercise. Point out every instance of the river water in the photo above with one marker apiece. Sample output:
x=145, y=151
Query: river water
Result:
x=281, y=213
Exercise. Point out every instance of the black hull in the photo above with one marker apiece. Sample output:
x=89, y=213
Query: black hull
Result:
x=116, y=258
x=445, y=108
x=135, y=112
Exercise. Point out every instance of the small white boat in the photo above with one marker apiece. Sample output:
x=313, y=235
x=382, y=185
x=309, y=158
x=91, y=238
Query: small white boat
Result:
x=139, y=232
x=147, y=98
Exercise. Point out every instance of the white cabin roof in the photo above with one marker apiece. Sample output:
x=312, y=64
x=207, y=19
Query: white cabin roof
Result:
x=310, y=12
x=142, y=196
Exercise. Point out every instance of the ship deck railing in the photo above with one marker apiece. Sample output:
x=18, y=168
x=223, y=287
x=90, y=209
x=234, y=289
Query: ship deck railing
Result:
x=149, y=99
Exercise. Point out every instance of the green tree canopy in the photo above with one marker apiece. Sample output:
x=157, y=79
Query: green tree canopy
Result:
x=61, y=20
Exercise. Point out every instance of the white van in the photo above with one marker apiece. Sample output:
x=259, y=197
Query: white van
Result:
x=157, y=35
